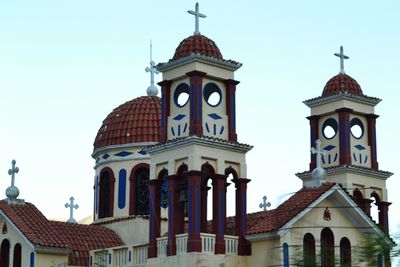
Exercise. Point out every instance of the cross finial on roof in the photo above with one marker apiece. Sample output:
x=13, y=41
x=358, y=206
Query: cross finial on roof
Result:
x=12, y=191
x=264, y=205
x=197, y=15
x=318, y=173
x=342, y=58
x=152, y=89
x=71, y=207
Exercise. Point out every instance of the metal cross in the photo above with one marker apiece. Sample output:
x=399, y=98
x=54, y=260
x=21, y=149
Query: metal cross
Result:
x=197, y=15
x=71, y=207
x=13, y=171
x=264, y=205
x=319, y=153
x=152, y=90
x=342, y=58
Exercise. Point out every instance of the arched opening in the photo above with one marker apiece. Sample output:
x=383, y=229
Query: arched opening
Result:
x=327, y=248
x=374, y=206
x=358, y=198
x=141, y=191
x=17, y=255
x=162, y=178
x=106, y=196
x=5, y=253
x=345, y=252
x=309, y=250
x=230, y=191
x=183, y=198
x=208, y=173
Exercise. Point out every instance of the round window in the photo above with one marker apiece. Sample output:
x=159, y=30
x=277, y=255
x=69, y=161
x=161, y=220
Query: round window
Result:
x=329, y=128
x=212, y=94
x=356, y=128
x=181, y=95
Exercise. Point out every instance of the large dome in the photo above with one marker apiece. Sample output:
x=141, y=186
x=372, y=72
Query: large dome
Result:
x=135, y=121
x=197, y=44
x=342, y=83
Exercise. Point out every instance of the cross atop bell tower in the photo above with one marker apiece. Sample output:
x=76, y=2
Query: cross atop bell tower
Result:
x=12, y=192
x=342, y=58
x=196, y=15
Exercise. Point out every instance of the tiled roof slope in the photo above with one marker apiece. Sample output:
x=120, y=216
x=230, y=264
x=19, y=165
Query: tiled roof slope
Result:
x=197, y=44
x=271, y=220
x=342, y=83
x=78, y=239
x=138, y=120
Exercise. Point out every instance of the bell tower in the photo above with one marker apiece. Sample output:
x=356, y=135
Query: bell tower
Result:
x=343, y=118
x=198, y=149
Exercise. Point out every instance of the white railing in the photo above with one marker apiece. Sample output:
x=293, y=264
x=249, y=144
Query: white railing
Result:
x=120, y=257
x=207, y=243
x=181, y=243
x=162, y=246
x=231, y=244
x=140, y=255
x=124, y=256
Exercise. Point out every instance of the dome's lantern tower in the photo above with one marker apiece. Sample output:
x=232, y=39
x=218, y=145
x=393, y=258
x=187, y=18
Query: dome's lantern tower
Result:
x=198, y=146
x=344, y=119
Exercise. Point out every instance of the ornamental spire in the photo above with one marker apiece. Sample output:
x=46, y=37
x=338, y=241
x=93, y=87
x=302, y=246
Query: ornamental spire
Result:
x=12, y=192
x=342, y=58
x=152, y=89
x=196, y=15
x=318, y=173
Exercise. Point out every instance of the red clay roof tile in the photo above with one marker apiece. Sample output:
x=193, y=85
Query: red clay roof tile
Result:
x=197, y=44
x=342, y=83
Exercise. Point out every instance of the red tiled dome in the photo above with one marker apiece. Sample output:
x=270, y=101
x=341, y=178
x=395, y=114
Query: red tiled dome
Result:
x=342, y=83
x=138, y=120
x=197, y=44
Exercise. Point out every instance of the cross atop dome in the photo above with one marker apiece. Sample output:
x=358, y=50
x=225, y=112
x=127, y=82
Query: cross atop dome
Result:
x=12, y=191
x=197, y=15
x=342, y=58
x=152, y=89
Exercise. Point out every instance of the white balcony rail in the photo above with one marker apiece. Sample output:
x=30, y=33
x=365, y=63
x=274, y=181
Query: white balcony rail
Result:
x=140, y=255
x=162, y=246
x=181, y=243
x=124, y=256
x=207, y=243
x=120, y=257
x=231, y=245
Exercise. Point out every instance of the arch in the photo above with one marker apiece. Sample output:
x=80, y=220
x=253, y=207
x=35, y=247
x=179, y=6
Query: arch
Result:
x=5, y=253
x=327, y=248
x=375, y=202
x=17, y=255
x=358, y=197
x=309, y=250
x=132, y=187
x=232, y=171
x=208, y=172
x=162, y=178
x=183, y=168
x=139, y=190
x=106, y=194
x=345, y=252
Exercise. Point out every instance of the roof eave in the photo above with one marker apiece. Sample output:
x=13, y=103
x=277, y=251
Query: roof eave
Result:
x=363, y=99
x=52, y=250
x=349, y=168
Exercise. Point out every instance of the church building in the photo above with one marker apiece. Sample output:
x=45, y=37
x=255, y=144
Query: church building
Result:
x=164, y=165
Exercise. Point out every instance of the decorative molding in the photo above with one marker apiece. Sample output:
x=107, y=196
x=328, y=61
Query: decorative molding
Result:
x=109, y=149
x=368, y=100
x=349, y=169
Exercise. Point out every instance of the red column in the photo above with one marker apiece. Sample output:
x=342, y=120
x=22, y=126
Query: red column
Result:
x=314, y=135
x=194, y=194
x=367, y=206
x=231, y=108
x=154, y=214
x=371, y=124
x=219, y=212
x=196, y=94
x=344, y=136
x=383, y=208
x=244, y=247
x=165, y=108
x=174, y=213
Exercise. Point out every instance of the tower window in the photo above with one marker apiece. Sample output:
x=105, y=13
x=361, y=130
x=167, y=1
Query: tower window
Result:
x=142, y=191
x=212, y=94
x=329, y=128
x=181, y=95
x=357, y=128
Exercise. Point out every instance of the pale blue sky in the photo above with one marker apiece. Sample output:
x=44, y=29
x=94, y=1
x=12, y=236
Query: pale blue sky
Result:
x=64, y=65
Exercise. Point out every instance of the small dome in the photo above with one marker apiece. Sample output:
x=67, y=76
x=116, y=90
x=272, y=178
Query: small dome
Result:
x=197, y=44
x=342, y=83
x=135, y=121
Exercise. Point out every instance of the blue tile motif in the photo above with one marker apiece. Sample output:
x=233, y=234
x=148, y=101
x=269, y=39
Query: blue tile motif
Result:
x=142, y=152
x=207, y=128
x=123, y=154
x=329, y=147
x=359, y=147
x=214, y=116
x=106, y=156
x=97, y=160
x=179, y=117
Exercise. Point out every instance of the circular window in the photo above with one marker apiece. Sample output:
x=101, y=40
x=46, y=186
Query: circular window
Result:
x=212, y=94
x=356, y=128
x=329, y=128
x=182, y=95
